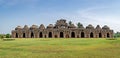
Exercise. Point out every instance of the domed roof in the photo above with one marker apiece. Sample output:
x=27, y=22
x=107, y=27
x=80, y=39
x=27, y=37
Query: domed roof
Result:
x=26, y=27
x=50, y=26
x=18, y=27
x=98, y=27
x=34, y=27
x=105, y=27
x=89, y=27
x=42, y=26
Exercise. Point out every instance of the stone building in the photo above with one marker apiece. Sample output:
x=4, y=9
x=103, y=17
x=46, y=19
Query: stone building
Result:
x=62, y=30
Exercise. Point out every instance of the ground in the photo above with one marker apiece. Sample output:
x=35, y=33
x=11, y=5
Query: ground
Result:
x=60, y=48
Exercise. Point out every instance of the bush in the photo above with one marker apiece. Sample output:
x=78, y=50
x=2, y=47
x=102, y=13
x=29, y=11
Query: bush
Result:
x=111, y=38
x=8, y=39
x=8, y=36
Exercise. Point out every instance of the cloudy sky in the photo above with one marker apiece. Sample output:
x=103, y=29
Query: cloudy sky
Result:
x=29, y=12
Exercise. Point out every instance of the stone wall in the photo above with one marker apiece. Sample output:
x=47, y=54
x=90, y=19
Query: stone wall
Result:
x=62, y=30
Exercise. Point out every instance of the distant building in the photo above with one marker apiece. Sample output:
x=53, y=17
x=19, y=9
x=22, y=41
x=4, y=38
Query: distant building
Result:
x=62, y=30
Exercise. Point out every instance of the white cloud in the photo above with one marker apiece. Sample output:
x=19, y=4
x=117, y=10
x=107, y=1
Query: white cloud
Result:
x=99, y=15
x=103, y=16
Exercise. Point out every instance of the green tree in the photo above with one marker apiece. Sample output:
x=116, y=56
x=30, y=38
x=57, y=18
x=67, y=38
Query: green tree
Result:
x=117, y=34
x=1, y=36
x=79, y=25
x=70, y=22
x=8, y=36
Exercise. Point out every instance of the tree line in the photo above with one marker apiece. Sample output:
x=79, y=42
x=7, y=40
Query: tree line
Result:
x=117, y=34
x=5, y=36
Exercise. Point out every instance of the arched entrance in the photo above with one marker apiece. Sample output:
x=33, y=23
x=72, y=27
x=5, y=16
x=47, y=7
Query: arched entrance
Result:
x=91, y=35
x=32, y=35
x=72, y=34
x=23, y=35
x=56, y=36
x=50, y=35
x=61, y=35
x=82, y=35
x=40, y=35
x=16, y=35
x=108, y=35
x=100, y=35
x=67, y=36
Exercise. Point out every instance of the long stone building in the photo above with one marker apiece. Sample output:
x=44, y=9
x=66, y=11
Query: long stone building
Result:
x=62, y=30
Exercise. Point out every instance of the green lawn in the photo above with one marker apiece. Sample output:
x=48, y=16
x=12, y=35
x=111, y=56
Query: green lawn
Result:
x=60, y=48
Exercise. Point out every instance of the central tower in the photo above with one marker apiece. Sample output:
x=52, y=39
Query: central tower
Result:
x=61, y=24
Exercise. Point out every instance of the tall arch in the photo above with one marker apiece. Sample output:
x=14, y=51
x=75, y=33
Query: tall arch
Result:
x=61, y=35
x=73, y=34
x=108, y=35
x=82, y=35
x=32, y=35
x=40, y=35
x=16, y=35
x=100, y=35
x=23, y=35
x=91, y=35
x=50, y=35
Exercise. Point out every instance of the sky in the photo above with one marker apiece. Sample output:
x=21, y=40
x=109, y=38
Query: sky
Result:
x=29, y=12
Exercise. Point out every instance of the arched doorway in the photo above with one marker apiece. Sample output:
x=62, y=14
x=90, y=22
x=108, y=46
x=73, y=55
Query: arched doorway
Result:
x=91, y=35
x=16, y=35
x=56, y=36
x=100, y=35
x=72, y=34
x=61, y=35
x=108, y=35
x=82, y=35
x=67, y=36
x=50, y=35
x=23, y=35
x=32, y=35
x=40, y=35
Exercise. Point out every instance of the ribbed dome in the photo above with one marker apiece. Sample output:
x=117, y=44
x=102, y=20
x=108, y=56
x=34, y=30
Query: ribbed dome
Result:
x=105, y=27
x=89, y=27
x=98, y=27
x=18, y=27
x=26, y=27
x=50, y=26
x=42, y=26
x=34, y=27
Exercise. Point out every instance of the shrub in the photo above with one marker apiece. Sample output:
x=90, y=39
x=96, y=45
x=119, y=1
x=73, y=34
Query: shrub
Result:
x=111, y=38
x=8, y=39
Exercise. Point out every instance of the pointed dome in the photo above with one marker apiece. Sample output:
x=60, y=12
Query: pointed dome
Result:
x=42, y=26
x=50, y=26
x=26, y=27
x=105, y=27
x=98, y=27
x=34, y=27
x=18, y=27
x=89, y=27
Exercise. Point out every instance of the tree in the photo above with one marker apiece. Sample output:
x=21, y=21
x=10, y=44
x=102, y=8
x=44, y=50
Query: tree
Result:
x=70, y=22
x=8, y=35
x=117, y=34
x=79, y=25
x=2, y=36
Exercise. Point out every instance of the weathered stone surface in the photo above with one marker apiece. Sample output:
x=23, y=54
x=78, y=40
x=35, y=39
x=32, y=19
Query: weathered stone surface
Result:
x=62, y=30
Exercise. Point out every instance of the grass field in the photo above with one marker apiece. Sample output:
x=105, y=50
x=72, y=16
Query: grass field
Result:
x=60, y=48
